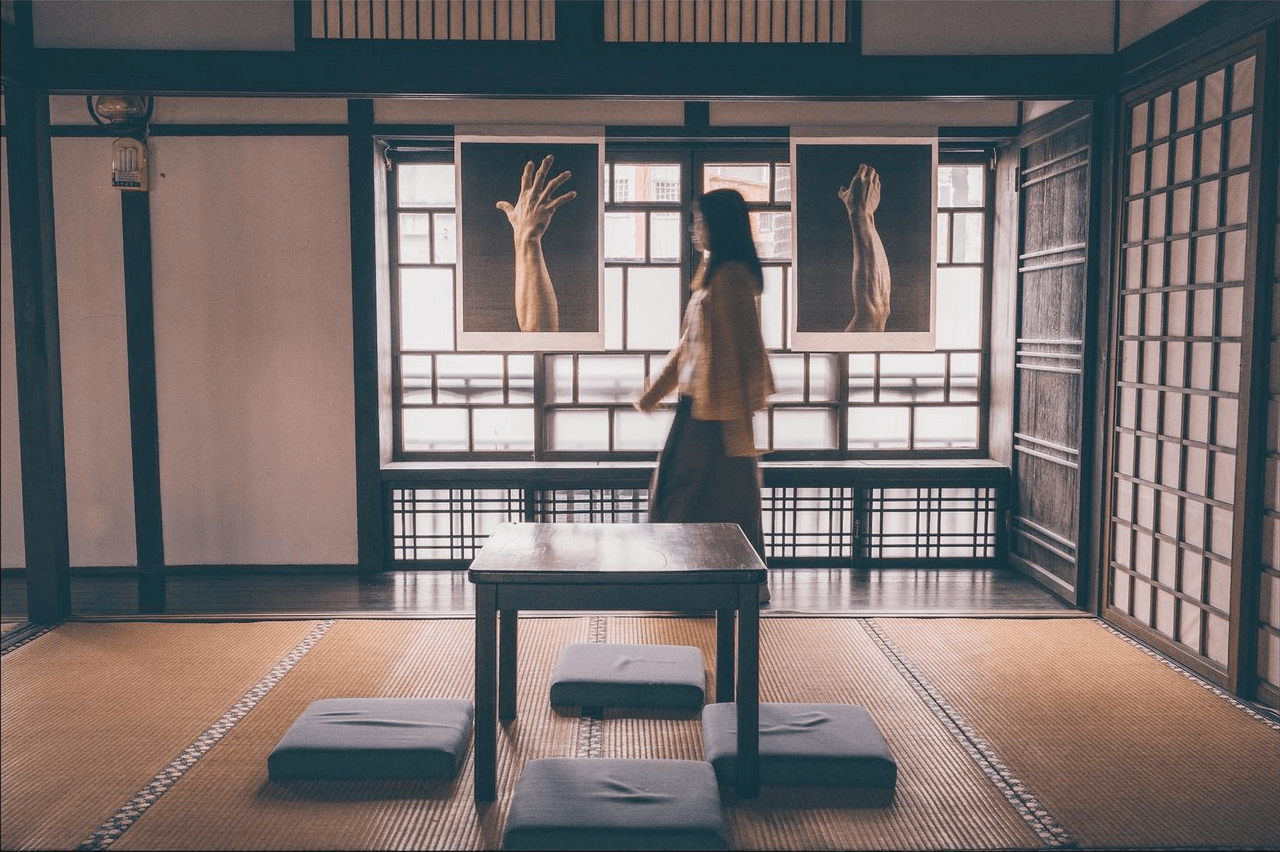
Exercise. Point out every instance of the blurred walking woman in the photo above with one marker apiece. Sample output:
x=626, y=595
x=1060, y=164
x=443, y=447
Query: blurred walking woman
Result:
x=707, y=471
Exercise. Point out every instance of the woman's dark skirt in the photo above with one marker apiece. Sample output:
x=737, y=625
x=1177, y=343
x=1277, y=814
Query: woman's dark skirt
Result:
x=696, y=482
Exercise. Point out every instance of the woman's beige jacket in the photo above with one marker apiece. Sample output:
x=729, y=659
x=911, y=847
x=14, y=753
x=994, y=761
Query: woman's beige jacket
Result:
x=730, y=377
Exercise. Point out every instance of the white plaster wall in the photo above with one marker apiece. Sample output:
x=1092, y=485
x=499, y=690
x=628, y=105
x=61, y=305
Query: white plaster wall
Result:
x=164, y=24
x=975, y=27
x=12, y=539
x=252, y=268
x=95, y=357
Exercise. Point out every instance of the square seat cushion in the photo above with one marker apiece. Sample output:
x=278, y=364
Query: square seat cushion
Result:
x=612, y=803
x=593, y=674
x=374, y=738
x=836, y=744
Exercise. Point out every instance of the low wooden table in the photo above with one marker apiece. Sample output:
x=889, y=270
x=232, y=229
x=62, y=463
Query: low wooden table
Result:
x=567, y=566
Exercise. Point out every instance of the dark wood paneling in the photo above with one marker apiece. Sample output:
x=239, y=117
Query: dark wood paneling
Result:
x=1049, y=375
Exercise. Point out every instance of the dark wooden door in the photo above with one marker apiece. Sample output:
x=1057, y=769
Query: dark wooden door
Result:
x=1050, y=368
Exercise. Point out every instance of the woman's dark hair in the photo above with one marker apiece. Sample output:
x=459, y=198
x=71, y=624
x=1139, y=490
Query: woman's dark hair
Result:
x=728, y=230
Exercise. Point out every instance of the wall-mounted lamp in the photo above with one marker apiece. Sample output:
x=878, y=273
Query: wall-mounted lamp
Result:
x=127, y=116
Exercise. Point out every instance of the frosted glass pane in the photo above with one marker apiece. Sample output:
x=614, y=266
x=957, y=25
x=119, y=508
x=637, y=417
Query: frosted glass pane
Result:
x=610, y=378
x=520, y=379
x=1242, y=84
x=788, y=377
x=1233, y=256
x=415, y=379
x=961, y=186
x=879, y=428
x=503, y=428
x=469, y=378
x=613, y=304
x=624, y=236
x=415, y=237
x=1207, y=207
x=633, y=430
x=1187, y=105
x=578, y=430
x=1207, y=259
x=445, y=236
x=1137, y=172
x=1159, y=165
x=804, y=429
x=1224, y=476
x=1237, y=199
x=944, y=237
x=914, y=377
x=1213, y=91
x=425, y=185
x=967, y=235
x=946, y=427
x=665, y=238
x=1239, y=137
x=653, y=308
x=560, y=378
x=964, y=377
x=426, y=309
x=822, y=378
x=773, y=320
x=434, y=429
x=1211, y=150
x=1183, y=158
x=862, y=378
x=1160, y=116
x=1138, y=122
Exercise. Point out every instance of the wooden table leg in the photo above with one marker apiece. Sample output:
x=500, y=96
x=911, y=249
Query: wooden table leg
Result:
x=748, y=691
x=725, y=676
x=507, y=664
x=486, y=722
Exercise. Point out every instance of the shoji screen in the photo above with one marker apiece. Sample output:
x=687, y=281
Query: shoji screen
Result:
x=1188, y=150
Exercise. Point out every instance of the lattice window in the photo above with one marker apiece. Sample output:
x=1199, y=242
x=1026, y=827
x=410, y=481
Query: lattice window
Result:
x=731, y=21
x=592, y=505
x=929, y=523
x=448, y=523
x=1186, y=201
x=433, y=20
x=809, y=523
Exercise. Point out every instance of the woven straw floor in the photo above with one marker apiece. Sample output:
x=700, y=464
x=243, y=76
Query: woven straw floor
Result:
x=1009, y=734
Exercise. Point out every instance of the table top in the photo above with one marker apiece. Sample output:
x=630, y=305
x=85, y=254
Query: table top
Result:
x=624, y=553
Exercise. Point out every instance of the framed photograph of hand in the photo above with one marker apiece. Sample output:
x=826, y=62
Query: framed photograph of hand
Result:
x=864, y=243
x=530, y=264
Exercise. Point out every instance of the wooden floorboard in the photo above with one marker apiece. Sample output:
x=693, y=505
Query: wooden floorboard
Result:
x=795, y=591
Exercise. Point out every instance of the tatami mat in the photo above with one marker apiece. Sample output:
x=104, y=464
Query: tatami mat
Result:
x=1124, y=750
x=90, y=713
x=1009, y=734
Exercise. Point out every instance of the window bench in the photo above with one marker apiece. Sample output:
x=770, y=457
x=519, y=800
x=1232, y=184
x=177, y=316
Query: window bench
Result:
x=935, y=512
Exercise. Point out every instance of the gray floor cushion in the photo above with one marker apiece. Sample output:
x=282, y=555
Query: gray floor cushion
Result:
x=593, y=674
x=837, y=744
x=612, y=803
x=374, y=738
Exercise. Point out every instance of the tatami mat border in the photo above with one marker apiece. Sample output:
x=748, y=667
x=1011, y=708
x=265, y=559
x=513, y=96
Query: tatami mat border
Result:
x=24, y=634
x=128, y=814
x=1023, y=800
